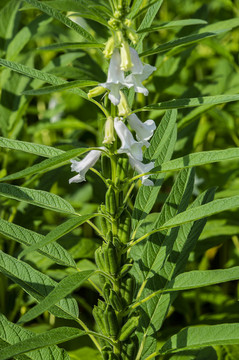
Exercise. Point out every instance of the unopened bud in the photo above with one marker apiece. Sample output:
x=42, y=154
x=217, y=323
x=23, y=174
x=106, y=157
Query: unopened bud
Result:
x=132, y=36
x=98, y=90
x=123, y=107
x=109, y=48
x=126, y=63
x=109, y=131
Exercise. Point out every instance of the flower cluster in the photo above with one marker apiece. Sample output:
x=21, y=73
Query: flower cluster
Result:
x=117, y=80
x=125, y=59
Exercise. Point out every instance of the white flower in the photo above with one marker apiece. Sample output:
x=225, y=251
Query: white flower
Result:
x=139, y=73
x=129, y=144
x=144, y=131
x=142, y=168
x=84, y=165
x=116, y=79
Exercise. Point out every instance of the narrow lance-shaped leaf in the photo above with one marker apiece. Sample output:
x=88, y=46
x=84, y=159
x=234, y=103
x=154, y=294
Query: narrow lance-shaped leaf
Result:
x=38, y=198
x=40, y=75
x=51, y=337
x=62, y=18
x=197, y=159
x=191, y=102
x=61, y=290
x=147, y=21
x=205, y=210
x=63, y=87
x=28, y=237
x=58, y=232
x=36, y=284
x=202, y=336
x=172, y=24
x=11, y=334
x=71, y=45
x=187, y=40
x=31, y=148
x=196, y=279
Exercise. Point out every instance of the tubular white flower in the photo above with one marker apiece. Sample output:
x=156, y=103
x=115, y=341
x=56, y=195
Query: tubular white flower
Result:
x=128, y=144
x=139, y=73
x=84, y=165
x=142, y=168
x=144, y=130
x=116, y=79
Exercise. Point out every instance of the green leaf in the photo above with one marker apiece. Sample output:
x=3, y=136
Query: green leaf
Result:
x=156, y=249
x=177, y=256
x=135, y=8
x=201, y=336
x=191, y=102
x=36, y=149
x=205, y=210
x=63, y=87
x=186, y=40
x=72, y=45
x=58, y=232
x=24, y=35
x=48, y=164
x=147, y=21
x=197, y=279
x=40, y=75
x=62, y=18
x=161, y=149
x=27, y=237
x=36, y=284
x=8, y=14
x=61, y=290
x=200, y=158
x=51, y=337
x=40, y=198
x=172, y=24
x=11, y=334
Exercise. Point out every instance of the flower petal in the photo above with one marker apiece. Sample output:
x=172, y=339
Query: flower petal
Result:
x=144, y=131
x=84, y=165
x=129, y=144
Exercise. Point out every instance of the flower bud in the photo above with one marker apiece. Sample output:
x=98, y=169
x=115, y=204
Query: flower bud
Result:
x=109, y=131
x=123, y=107
x=126, y=63
x=132, y=36
x=109, y=48
x=96, y=91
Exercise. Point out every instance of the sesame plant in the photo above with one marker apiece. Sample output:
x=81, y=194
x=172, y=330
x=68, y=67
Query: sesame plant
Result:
x=118, y=238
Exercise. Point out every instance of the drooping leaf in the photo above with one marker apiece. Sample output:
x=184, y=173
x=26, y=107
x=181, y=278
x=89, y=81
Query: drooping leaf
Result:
x=37, y=197
x=11, y=334
x=36, y=284
x=40, y=75
x=58, y=232
x=62, y=289
x=28, y=237
x=62, y=18
x=63, y=87
x=51, y=337
x=28, y=147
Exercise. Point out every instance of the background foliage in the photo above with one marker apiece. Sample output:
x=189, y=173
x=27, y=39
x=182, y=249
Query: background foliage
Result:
x=67, y=121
